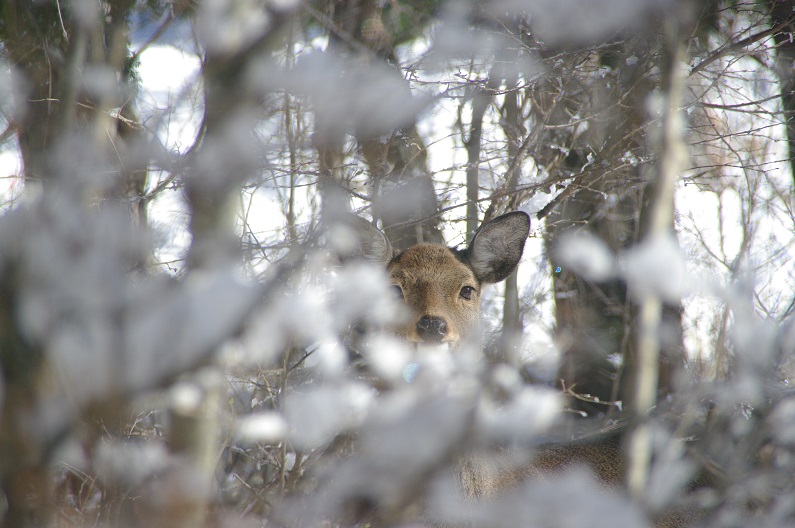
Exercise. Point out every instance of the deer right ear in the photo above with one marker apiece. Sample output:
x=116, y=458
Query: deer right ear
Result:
x=368, y=243
x=497, y=247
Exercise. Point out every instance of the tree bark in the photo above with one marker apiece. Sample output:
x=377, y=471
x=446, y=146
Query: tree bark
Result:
x=512, y=326
x=480, y=102
x=50, y=49
x=782, y=12
x=657, y=223
x=595, y=321
x=404, y=198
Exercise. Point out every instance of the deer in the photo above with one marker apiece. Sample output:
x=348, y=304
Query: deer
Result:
x=441, y=287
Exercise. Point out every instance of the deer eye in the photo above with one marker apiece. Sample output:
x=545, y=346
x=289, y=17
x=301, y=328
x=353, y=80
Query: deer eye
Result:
x=397, y=291
x=466, y=292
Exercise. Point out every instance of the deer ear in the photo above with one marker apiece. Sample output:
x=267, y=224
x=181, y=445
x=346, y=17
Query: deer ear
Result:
x=497, y=246
x=368, y=242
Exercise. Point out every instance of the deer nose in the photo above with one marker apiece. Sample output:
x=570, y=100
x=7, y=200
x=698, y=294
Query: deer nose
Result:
x=431, y=329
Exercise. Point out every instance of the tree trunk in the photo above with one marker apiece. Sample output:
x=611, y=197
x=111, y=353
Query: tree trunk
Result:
x=595, y=321
x=404, y=198
x=512, y=127
x=647, y=368
x=480, y=102
x=406, y=203
x=782, y=12
x=51, y=50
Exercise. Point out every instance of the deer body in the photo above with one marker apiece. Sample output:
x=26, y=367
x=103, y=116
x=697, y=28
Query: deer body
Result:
x=441, y=287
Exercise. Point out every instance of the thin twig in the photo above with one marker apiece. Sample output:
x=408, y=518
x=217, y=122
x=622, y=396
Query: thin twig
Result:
x=725, y=50
x=60, y=18
x=156, y=35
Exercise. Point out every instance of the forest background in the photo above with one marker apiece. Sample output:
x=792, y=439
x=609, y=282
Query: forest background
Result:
x=179, y=343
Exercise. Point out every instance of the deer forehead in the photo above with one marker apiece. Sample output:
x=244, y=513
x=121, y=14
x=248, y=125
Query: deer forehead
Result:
x=430, y=265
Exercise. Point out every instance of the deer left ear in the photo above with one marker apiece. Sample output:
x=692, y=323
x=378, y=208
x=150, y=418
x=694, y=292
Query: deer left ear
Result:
x=497, y=247
x=371, y=244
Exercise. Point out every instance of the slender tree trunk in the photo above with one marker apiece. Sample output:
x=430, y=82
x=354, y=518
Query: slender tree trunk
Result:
x=480, y=102
x=658, y=224
x=36, y=125
x=212, y=200
x=512, y=127
x=783, y=12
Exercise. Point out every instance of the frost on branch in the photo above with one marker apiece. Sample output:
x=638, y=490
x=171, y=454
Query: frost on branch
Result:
x=571, y=498
x=657, y=267
x=587, y=255
x=317, y=414
x=265, y=427
x=173, y=327
x=369, y=98
x=325, y=418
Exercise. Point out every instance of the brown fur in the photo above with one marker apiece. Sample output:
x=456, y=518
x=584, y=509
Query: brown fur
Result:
x=487, y=474
x=431, y=278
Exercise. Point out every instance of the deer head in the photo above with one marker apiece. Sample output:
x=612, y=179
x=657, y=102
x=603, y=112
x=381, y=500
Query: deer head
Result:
x=441, y=286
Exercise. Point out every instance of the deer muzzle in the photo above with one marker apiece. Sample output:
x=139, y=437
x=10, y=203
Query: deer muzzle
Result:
x=431, y=329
